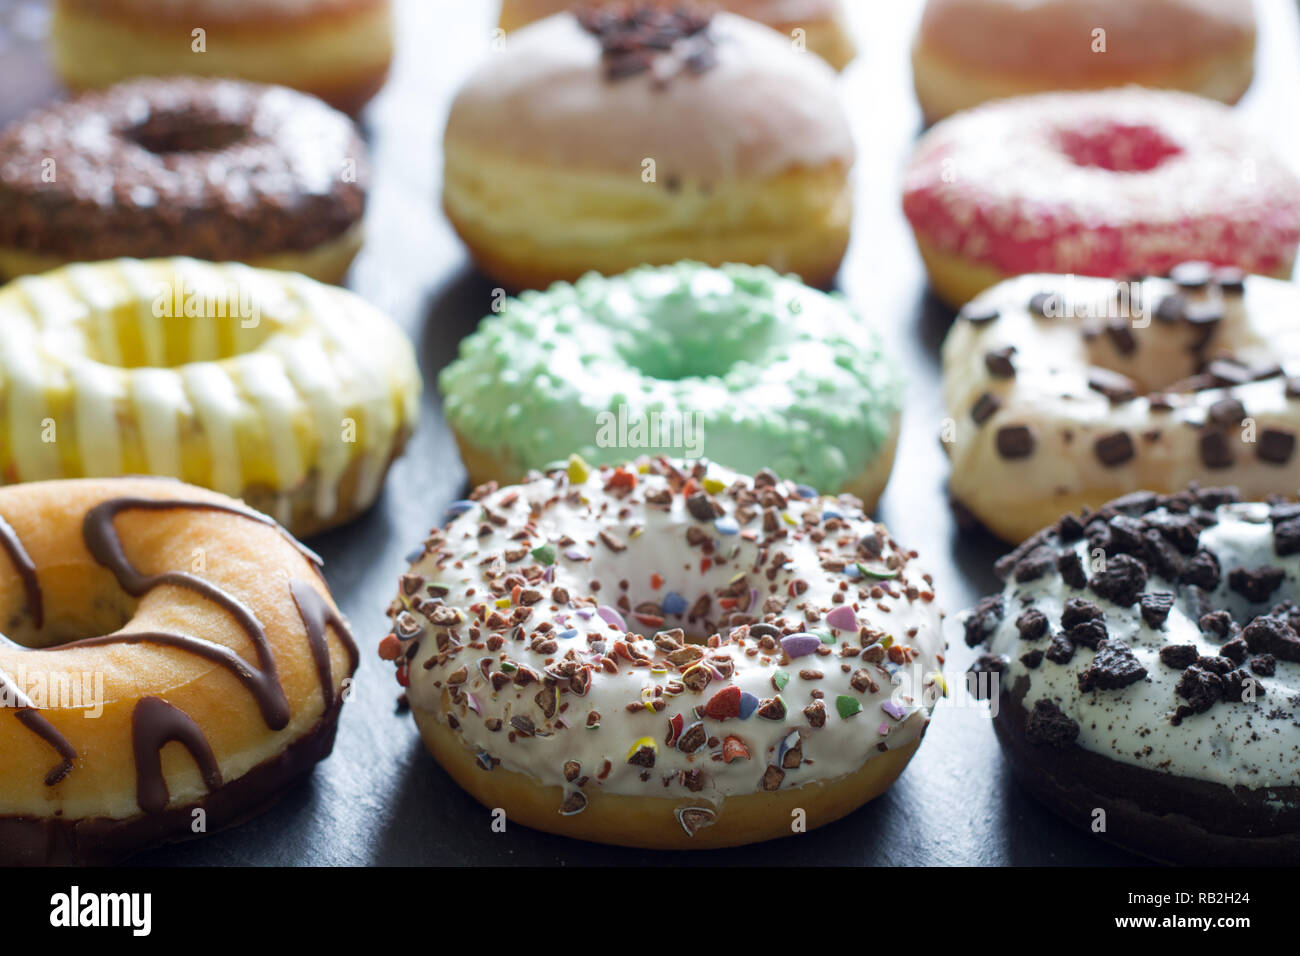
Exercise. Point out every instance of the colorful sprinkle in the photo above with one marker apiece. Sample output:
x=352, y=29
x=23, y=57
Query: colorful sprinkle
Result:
x=897, y=711
x=847, y=706
x=456, y=509
x=579, y=470
x=675, y=724
x=800, y=645
x=805, y=491
x=883, y=729
x=544, y=554
x=726, y=525
x=568, y=633
x=790, y=740
x=842, y=618
x=674, y=603
x=644, y=743
x=780, y=679
x=748, y=704
x=611, y=616
x=573, y=554
x=733, y=748
x=656, y=582
x=485, y=760
x=725, y=703
x=880, y=574
x=714, y=485
x=390, y=648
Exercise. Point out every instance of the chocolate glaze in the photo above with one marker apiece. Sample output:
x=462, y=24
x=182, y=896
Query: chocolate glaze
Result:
x=211, y=168
x=317, y=615
x=1213, y=825
x=154, y=722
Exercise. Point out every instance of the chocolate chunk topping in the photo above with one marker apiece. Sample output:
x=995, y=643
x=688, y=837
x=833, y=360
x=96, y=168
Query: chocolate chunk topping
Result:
x=985, y=407
x=1271, y=635
x=1032, y=659
x=1046, y=724
x=1179, y=655
x=1114, y=448
x=1215, y=450
x=1201, y=689
x=1202, y=570
x=1113, y=667
x=1217, y=623
x=1122, y=337
x=999, y=364
x=1116, y=387
x=1172, y=308
x=1121, y=581
x=1035, y=564
x=1286, y=537
x=1078, y=610
x=1061, y=650
x=1032, y=624
x=1227, y=411
x=1156, y=607
x=1276, y=445
x=1235, y=650
x=1046, y=304
x=1256, y=584
x=1015, y=441
x=1071, y=567
x=983, y=620
x=1265, y=665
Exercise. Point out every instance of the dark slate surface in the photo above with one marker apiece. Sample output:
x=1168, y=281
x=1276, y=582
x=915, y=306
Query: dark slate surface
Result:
x=380, y=799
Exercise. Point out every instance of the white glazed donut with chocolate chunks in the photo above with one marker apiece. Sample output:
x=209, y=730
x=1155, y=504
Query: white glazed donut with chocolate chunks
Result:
x=1065, y=392
x=1148, y=668
x=667, y=654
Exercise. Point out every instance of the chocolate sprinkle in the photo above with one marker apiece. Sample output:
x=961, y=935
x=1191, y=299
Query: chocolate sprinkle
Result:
x=1114, y=449
x=1015, y=441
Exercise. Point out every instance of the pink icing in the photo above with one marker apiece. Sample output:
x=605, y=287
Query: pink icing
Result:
x=1110, y=183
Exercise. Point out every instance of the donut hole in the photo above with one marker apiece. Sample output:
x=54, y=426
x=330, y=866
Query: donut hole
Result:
x=183, y=132
x=1118, y=147
x=73, y=610
x=200, y=323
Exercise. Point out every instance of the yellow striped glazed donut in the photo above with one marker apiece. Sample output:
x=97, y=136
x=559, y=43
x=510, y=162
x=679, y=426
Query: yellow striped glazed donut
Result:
x=269, y=386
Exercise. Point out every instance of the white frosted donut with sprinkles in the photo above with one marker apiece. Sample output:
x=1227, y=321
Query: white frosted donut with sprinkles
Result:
x=1064, y=393
x=1109, y=183
x=667, y=654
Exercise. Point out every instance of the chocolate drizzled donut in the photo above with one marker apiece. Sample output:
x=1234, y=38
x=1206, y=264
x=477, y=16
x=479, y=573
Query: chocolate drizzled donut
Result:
x=214, y=169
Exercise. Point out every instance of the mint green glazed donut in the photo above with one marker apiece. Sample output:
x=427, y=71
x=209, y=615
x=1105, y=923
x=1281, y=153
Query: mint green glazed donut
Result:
x=737, y=364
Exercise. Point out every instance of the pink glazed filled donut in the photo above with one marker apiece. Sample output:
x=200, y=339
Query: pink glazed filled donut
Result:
x=1113, y=183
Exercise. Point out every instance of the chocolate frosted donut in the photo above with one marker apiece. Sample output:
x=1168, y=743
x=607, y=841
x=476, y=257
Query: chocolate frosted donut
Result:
x=213, y=169
x=1147, y=668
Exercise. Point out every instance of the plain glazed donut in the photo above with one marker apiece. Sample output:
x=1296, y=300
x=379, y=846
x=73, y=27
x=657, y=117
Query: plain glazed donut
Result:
x=735, y=364
x=338, y=50
x=970, y=51
x=263, y=385
x=584, y=145
x=1066, y=393
x=1147, y=661
x=1113, y=183
x=215, y=169
x=825, y=31
x=665, y=655
x=216, y=684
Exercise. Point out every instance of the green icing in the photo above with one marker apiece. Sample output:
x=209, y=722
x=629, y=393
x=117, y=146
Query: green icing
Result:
x=781, y=375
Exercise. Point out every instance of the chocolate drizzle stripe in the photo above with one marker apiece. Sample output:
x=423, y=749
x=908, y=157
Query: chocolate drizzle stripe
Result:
x=154, y=723
x=36, y=722
x=22, y=563
x=316, y=616
x=264, y=685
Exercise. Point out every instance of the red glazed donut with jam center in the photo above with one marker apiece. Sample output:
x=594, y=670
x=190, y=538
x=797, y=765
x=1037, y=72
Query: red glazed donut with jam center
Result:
x=1113, y=183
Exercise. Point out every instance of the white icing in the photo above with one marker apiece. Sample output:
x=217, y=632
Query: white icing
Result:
x=1238, y=743
x=267, y=392
x=906, y=612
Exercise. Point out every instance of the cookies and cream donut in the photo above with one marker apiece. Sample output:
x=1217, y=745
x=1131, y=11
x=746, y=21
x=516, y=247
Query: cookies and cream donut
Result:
x=821, y=22
x=1065, y=393
x=737, y=364
x=142, y=613
x=666, y=654
x=264, y=385
x=338, y=50
x=215, y=169
x=1145, y=661
x=1112, y=183
x=603, y=141
x=970, y=51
